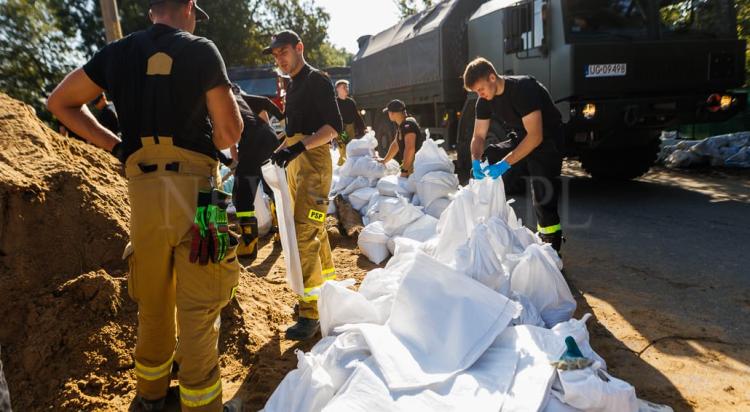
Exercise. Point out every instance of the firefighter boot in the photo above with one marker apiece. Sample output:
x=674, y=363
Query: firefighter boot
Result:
x=274, y=223
x=248, y=247
x=304, y=329
x=554, y=239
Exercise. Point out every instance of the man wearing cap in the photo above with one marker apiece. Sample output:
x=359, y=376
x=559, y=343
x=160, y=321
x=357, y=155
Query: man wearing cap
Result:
x=176, y=111
x=312, y=121
x=354, y=125
x=408, y=140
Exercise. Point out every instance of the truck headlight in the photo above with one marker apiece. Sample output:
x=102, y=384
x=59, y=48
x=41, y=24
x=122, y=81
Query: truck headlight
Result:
x=726, y=102
x=589, y=111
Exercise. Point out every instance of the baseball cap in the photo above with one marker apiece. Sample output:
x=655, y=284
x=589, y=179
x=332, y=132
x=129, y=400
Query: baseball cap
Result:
x=342, y=81
x=282, y=38
x=200, y=14
x=395, y=105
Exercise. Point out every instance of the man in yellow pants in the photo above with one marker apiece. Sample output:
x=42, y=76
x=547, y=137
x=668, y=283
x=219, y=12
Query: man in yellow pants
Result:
x=354, y=125
x=176, y=109
x=312, y=121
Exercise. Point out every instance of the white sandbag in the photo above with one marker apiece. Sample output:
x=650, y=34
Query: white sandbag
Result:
x=503, y=239
x=339, y=355
x=356, y=184
x=594, y=390
x=481, y=388
x=421, y=229
x=430, y=158
x=403, y=244
x=392, y=168
x=437, y=207
x=360, y=198
x=529, y=314
x=578, y=330
x=381, y=206
x=263, y=211
x=372, y=241
x=379, y=287
x=526, y=237
x=435, y=185
x=415, y=200
x=364, y=146
x=440, y=324
x=339, y=184
x=365, y=391
x=306, y=389
x=393, y=185
x=400, y=217
x=276, y=178
x=364, y=166
x=478, y=260
x=338, y=305
x=536, y=277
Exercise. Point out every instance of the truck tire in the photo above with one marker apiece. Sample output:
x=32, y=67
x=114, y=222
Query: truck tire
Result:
x=621, y=164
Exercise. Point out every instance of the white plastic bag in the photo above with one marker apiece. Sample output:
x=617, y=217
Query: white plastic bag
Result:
x=393, y=185
x=594, y=390
x=306, y=389
x=400, y=217
x=430, y=158
x=421, y=229
x=364, y=146
x=356, y=184
x=262, y=211
x=372, y=241
x=364, y=166
x=365, y=391
x=360, y=198
x=339, y=184
x=276, y=179
x=437, y=207
x=435, y=185
x=338, y=305
x=478, y=259
x=529, y=314
x=541, y=281
x=381, y=206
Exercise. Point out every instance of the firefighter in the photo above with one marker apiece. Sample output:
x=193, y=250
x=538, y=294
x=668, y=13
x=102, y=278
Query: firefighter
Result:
x=312, y=121
x=354, y=125
x=534, y=130
x=408, y=140
x=257, y=143
x=176, y=110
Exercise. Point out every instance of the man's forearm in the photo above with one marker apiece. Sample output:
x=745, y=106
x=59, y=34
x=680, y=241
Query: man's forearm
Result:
x=477, y=147
x=527, y=145
x=323, y=136
x=83, y=123
x=392, y=150
x=408, y=159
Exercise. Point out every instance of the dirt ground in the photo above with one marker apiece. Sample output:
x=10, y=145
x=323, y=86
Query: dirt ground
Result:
x=639, y=264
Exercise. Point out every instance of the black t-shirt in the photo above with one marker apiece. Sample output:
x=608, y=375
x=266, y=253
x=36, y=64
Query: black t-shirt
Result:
x=409, y=125
x=311, y=103
x=108, y=118
x=197, y=67
x=350, y=115
x=522, y=95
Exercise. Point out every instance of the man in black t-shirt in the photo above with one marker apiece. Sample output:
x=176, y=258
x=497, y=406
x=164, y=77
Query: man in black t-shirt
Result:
x=176, y=111
x=312, y=121
x=408, y=140
x=354, y=125
x=533, y=129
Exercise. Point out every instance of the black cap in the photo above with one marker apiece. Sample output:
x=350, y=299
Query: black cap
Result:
x=200, y=14
x=282, y=38
x=395, y=105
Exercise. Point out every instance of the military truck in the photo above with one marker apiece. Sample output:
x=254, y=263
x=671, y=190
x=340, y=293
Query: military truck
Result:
x=620, y=71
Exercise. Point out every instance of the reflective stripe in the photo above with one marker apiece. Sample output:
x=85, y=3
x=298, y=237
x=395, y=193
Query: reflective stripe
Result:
x=328, y=274
x=196, y=398
x=246, y=214
x=549, y=229
x=152, y=373
x=311, y=294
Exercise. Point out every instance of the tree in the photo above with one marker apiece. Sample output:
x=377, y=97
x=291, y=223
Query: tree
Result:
x=36, y=54
x=411, y=7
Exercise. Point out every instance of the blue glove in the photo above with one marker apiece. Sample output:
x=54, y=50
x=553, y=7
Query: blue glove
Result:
x=497, y=169
x=476, y=169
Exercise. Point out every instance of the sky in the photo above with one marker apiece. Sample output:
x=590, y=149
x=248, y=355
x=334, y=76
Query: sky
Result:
x=351, y=19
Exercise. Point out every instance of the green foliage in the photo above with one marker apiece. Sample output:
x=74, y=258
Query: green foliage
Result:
x=743, y=29
x=407, y=8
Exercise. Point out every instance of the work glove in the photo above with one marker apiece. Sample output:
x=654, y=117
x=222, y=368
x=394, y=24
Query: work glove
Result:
x=497, y=170
x=118, y=151
x=344, y=137
x=287, y=154
x=210, y=230
x=476, y=169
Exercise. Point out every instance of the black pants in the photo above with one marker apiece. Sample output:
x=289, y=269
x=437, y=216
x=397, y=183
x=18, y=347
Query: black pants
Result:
x=543, y=167
x=256, y=146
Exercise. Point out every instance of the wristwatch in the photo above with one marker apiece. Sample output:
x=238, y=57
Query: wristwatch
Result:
x=404, y=170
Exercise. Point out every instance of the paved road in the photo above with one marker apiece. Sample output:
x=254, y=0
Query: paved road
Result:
x=662, y=262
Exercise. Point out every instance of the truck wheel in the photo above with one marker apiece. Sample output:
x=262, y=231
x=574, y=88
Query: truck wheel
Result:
x=620, y=164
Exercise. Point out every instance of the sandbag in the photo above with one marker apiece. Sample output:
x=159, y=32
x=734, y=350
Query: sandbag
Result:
x=339, y=183
x=360, y=198
x=578, y=330
x=339, y=305
x=306, y=389
x=276, y=178
x=393, y=185
x=263, y=211
x=435, y=185
x=437, y=207
x=395, y=222
x=478, y=259
x=364, y=146
x=364, y=166
x=536, y=277
x=440, y=324
x=430, y=158
x=356, y=184
x=381, y=206
x=372, y=242
x=365, y=391
x=529, y=314
x=594, y=390
x=421, y=229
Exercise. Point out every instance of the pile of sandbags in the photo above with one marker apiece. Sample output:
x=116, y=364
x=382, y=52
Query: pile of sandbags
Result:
x=474, y=318
x=728, y=150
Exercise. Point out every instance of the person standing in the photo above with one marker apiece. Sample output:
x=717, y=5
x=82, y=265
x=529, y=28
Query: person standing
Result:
x=354, y=125
x=107, y=115
x=176, y=112
x=534, y=129
x=312, y=121
x=408, y=140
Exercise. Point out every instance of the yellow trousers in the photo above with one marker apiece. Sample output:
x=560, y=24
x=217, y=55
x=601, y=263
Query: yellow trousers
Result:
x=309, y=178
x=175, y=297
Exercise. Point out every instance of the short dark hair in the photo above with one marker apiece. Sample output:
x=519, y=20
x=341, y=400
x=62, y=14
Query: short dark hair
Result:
x=477, y=69
x=166, y=7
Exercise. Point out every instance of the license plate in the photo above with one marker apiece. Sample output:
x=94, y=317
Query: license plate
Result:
x=606, y=70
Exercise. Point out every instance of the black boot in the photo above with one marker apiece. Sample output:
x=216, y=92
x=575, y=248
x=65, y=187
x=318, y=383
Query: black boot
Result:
x=554, y=239
x=304, y=329
x=248, y=247
x=235, y=405
x=144, y=405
